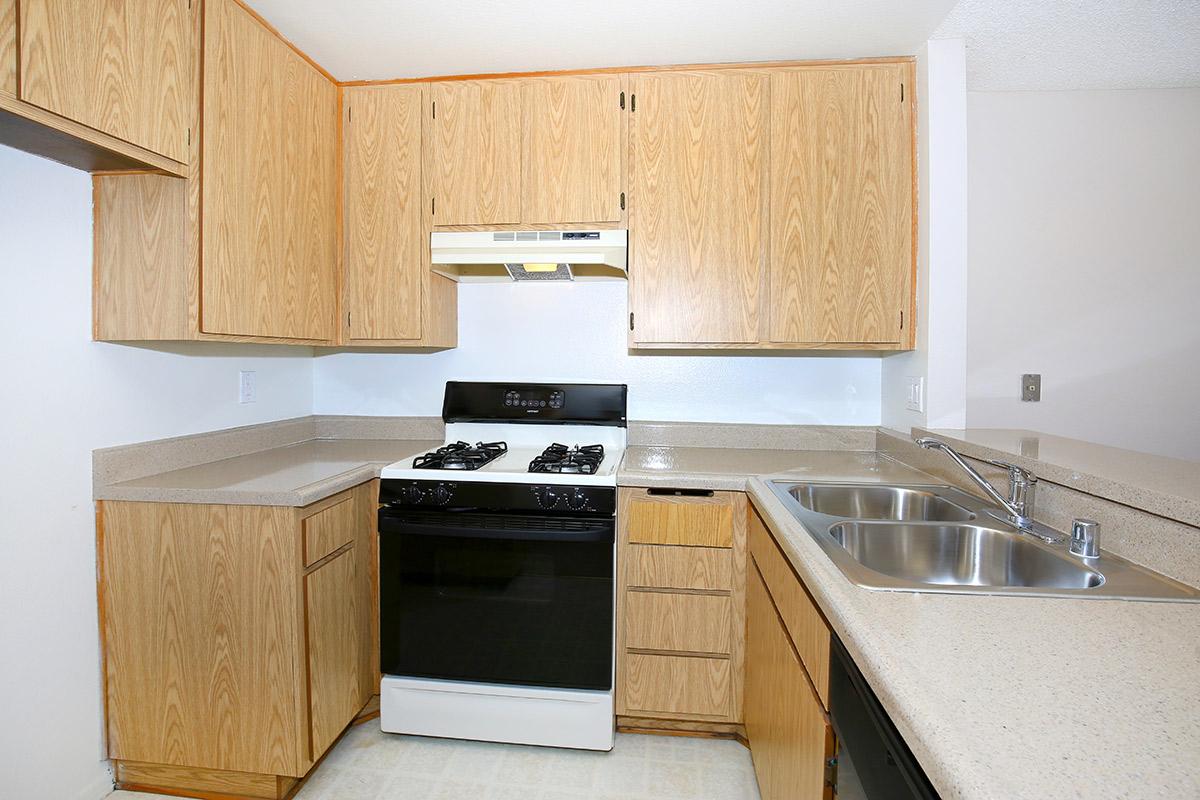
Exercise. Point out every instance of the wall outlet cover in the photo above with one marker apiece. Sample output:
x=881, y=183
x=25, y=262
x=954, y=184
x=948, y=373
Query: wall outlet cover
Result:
x=247, y=386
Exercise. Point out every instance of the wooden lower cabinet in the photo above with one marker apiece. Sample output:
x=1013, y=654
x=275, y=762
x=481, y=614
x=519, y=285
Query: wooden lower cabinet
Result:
x=232, y=662
x=681, y=559
x=790, y=735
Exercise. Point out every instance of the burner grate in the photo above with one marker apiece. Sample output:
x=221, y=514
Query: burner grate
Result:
x=585, y=459
x=461, y=456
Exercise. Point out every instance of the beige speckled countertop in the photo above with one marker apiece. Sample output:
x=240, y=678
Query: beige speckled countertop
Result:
x=293, y=475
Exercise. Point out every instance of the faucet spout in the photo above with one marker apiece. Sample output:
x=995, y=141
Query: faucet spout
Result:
x=930, y=443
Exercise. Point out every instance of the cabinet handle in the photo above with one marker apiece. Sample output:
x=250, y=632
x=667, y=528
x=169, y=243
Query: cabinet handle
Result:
x=680, y=492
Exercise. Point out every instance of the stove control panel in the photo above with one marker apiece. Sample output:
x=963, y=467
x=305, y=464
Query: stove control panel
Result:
x=535, y=398
x=466, y=495
x=563, y=498
x=424, y=493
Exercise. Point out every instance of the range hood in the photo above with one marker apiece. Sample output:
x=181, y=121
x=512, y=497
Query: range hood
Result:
x=529, y=255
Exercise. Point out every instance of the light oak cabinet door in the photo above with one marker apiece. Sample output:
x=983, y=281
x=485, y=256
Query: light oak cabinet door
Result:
x=269, y=200
x=572, y=158
x=697, y=187
x=790, y=737
x=8, y=47
x=475, y=133
x=119, y=66
x=841, y=203
x=385, y=235
x=332, y=622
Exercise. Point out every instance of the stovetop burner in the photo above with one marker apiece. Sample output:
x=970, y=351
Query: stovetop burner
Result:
x=461, y=456
x=560, y=458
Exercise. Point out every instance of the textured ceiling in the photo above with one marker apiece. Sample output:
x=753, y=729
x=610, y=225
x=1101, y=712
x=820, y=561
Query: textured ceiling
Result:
x=372, y=39
x=1084, y=44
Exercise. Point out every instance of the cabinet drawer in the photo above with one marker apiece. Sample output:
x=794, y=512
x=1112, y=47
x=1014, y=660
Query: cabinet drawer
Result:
x=696, y=623
x=693, y=521
x=678, y=685
x=327, y=530
x=673, y=567
x=805, y=625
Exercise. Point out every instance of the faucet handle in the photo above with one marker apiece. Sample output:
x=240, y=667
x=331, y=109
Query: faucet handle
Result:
x=1016, y=474
x=1085, y=538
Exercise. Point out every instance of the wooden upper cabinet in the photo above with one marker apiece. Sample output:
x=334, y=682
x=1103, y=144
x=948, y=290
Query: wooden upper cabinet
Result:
x=697, y=188
x=841, y=203
x=8, y=47
x=572, y=165
x=385, y=238
x=119, y=66
x=475, y=152
x=270, y=185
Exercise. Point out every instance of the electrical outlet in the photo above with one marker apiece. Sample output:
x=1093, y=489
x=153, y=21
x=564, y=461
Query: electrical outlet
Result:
x=247, y=386
x=1031, y=388
x=915, y=397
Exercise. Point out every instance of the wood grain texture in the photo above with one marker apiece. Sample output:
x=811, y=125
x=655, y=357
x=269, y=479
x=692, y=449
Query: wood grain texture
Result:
x=802, y=619
x=140, y=249
x=269, y=178
x=790, y=736
x=8, y=47
x=333, y=628
x=674, y=685
x=166, y=778
x=682, y=727
x=476, y=166
x=329, y=529
x=119, y=66
x=203, y=636
x=694, y=521
x=697, y=193
x=696, y=623
x=841, y=204
x=385, y=240
x=572, y=138
x=668, y=567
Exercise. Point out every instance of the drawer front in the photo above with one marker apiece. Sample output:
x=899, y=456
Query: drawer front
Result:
x=678, y=685
x=673, y=567
x=327, y=530
x=694, y=623
x=805, y=625
x=689, y=521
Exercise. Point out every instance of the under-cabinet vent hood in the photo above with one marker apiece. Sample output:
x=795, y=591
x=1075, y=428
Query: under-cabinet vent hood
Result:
x=529, y=255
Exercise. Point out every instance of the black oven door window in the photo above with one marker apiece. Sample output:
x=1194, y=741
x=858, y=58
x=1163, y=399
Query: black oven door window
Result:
x=493, y=598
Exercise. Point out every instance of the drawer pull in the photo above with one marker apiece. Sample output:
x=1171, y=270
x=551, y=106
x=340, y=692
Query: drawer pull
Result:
x=680, y=492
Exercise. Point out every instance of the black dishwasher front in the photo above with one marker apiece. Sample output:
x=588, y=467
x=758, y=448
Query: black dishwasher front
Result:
x=873, y=761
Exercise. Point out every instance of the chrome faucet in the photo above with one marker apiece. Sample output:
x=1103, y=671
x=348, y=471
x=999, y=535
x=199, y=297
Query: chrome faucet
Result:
x=1017, y=508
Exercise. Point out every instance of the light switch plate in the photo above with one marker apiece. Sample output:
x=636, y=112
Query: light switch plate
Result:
x=915, y=396
x=247, y=386
x=1031, y=388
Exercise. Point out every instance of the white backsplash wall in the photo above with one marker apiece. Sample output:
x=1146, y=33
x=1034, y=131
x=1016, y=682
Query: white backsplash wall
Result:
x=1084, y=234
x=575, y=332
x=63, y=396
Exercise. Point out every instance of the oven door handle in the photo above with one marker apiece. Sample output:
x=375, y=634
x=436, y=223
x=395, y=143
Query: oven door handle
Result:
x=602, y=531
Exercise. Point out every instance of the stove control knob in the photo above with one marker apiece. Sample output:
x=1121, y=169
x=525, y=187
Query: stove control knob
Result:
x=413, y=494
x=442, y=493
x=578, y=500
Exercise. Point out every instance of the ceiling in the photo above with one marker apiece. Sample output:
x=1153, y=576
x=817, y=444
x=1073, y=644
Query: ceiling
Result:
x=376, y=39
x=1077, y=44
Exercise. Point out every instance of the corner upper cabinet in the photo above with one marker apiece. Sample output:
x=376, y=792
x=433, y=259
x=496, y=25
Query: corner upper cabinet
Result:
x=270, y=184
x=122, y=68
x=842, y=258
x=391, y=294
x=573, y=134
x=696, y=216
x=475, y=152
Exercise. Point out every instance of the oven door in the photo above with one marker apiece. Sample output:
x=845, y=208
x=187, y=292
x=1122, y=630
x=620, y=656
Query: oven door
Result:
x=497, y=598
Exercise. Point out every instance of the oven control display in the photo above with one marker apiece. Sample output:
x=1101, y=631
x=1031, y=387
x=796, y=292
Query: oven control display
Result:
x=534, y=398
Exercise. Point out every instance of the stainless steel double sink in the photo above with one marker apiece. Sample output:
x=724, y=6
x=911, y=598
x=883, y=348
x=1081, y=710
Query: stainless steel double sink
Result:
x=920, y=538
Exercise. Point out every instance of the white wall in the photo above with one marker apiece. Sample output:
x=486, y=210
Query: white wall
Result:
x=940, y=354
x=1085, y=265
x=63, y=396
x=576, y=332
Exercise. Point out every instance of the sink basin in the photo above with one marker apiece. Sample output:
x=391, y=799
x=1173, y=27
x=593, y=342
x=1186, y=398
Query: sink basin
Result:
x=878, y=502
x=933, y=538
x=960, y=555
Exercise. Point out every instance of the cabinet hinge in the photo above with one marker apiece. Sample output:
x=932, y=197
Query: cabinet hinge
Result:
x=622, y=201
x=622, y=101
x=435, y=109
x=632, y=103
x=831, y=772
x=630, y=320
